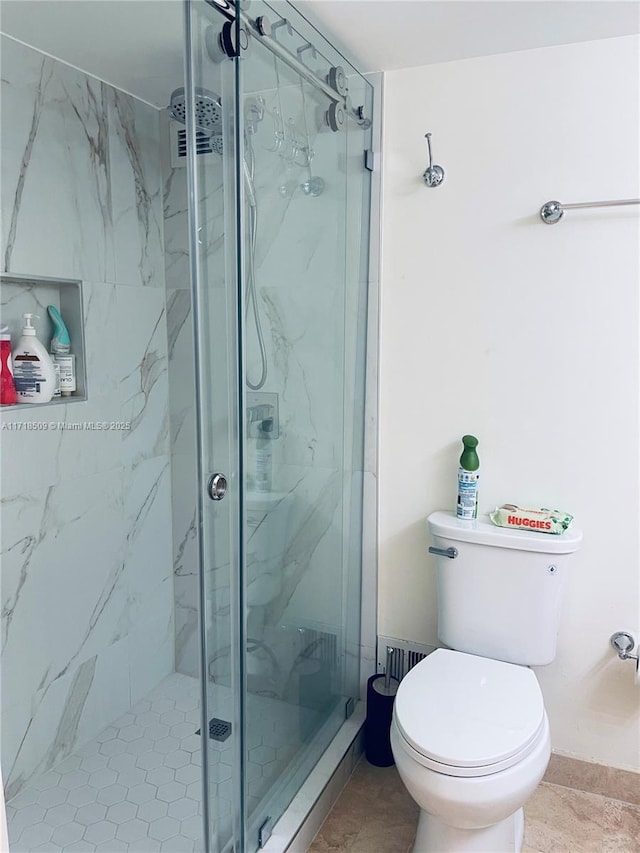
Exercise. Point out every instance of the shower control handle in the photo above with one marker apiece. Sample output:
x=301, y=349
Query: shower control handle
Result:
x=217, y=487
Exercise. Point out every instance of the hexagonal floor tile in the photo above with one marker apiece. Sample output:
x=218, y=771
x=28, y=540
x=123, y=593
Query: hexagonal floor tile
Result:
x=90, y=814
x=82, y=796
x=51, y=797
x=57, y=815
x=164, y=828
x=171, y=791
x=150, y=760
x=102, y=830
x=142, y=793
x=183, y=808
x=177, y=759
x=152, y=810
x=161, y=775
x=112, y=794
x=132, y=830
x=37, y=833
x=103, y=778
x=122, y=812
x=68, y=833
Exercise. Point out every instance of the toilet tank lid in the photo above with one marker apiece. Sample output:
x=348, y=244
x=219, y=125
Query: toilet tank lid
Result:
x=482, y=531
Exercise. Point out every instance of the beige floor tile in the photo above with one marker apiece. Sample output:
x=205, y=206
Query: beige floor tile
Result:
x=621, y=828
x=375, y=814
x=377, y=837
x=561, y=820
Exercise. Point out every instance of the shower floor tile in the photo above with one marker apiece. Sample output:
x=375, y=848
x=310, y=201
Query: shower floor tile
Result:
x=135, y=787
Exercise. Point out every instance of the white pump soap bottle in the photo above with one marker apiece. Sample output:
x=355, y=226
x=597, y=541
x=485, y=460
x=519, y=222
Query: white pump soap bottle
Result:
x=33, y=372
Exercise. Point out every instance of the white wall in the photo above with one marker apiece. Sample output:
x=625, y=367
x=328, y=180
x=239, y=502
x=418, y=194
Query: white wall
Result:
x=525, y=335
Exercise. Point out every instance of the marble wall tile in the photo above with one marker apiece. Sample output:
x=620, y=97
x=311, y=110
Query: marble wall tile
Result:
x=56, y=211
x=147, y=546
x=136, y=190
x=176, y=235
x=87, y=592
x=64, y=599
x=142, y=370
x=151, y=653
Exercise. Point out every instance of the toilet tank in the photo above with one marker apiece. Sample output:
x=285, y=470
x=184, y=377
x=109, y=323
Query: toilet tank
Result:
x=500, y=596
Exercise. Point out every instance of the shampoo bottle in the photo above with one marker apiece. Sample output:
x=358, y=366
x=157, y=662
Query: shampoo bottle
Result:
x=263, y=456
x=33, y=372
x=8, y=394
x=468, y=476
x=63, y=360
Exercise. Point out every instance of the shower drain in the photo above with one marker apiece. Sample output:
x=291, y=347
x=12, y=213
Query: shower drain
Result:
x=218, y=729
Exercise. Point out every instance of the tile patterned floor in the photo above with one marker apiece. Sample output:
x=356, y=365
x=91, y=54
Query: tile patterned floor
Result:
x=374, y=814
x=137, y=786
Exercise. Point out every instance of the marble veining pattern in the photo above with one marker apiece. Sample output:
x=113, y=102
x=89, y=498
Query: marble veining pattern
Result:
x=87, y=592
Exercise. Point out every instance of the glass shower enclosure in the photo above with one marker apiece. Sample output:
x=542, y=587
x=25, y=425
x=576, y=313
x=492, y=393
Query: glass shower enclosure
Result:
x=181, y=593
x=277, y=128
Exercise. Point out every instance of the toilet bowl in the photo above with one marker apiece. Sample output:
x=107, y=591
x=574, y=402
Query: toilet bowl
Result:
x=470, y=738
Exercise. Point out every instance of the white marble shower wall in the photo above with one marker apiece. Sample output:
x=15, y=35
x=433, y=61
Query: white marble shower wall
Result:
x=87, y=583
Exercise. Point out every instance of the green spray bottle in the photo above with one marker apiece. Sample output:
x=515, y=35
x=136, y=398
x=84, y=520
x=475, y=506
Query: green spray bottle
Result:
x=468, y=476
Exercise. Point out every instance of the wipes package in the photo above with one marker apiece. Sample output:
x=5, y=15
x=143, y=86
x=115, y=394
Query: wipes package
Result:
x=541, y=520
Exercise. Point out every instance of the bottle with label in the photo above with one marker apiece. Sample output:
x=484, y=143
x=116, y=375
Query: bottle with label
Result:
x=64, y=361
x=468, y=477
x=33, y=372
x=8, y=396
x=263, y=456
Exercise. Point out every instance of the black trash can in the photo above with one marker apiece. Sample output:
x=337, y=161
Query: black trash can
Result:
x=381, y=693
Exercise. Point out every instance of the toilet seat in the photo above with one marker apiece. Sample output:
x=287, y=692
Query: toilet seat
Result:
x=464, y=715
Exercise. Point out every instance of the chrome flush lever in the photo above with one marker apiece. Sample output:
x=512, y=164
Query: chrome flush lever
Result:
x=452, y=553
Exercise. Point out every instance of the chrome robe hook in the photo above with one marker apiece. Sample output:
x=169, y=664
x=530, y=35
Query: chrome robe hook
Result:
x=433, y=175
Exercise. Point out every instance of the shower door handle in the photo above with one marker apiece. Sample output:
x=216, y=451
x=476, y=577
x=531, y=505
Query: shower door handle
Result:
x=217, y=487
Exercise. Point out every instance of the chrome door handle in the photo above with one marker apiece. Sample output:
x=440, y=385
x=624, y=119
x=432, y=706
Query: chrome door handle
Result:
x=217, y=487
x=452, y=553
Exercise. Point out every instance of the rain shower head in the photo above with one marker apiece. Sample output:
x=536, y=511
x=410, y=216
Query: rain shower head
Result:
x=207, y=108
x=209, y=121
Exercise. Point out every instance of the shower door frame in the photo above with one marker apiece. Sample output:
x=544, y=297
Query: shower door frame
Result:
x=368, y=609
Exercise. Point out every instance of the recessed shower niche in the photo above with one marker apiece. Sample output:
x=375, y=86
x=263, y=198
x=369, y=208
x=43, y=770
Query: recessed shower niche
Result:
x=25, y=294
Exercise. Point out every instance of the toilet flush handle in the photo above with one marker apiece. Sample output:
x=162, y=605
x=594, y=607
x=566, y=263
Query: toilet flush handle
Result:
x=444, y=552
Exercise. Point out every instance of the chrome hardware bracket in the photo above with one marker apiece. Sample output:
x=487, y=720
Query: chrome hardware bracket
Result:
x=623, y=643
x=264, y=833
x=262, y=405
x=433, y=175
x=452, y=553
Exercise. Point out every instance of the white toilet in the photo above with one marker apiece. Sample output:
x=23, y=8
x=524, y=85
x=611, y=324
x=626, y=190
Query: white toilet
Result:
x=470, y=735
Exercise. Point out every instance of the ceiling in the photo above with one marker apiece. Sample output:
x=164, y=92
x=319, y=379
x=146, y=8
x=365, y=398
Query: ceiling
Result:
x=136, y=45
x=392, y=34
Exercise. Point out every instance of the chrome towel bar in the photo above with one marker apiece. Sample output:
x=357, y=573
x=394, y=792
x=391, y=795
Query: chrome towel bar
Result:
x=553, y=211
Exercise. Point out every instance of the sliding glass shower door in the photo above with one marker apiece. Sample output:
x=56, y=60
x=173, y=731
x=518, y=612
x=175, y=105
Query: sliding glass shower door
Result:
x=279, y=247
